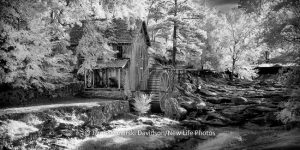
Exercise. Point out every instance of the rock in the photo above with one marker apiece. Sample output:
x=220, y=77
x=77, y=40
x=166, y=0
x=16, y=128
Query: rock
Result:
x=189, y=87
x=239, y=100
x=187, y=99
x=182, y=112
x=214, y=122
x=207, y=92
x=48, y=127
x=272, y=119
x=234, y=113
x=148, y=122
x=262, y=109
x=94, y=132
x=66, y=133
x=257, y=86
x=172, y=108
x=193, y=124
x=259, y=120
x=218, y=100
x=270, y=89
x=188, y=105
x=213, y=100
x=201, y=105
x=62, y=126
x=218, y=116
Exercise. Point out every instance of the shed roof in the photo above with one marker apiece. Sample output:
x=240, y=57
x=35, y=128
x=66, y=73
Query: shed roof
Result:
x=118, y=63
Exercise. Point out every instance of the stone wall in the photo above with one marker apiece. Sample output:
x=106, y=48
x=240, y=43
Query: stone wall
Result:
x=22, y=97
x=69, y=121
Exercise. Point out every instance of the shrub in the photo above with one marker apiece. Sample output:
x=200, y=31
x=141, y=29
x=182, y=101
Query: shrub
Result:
x=141, y=103
x=291, y=111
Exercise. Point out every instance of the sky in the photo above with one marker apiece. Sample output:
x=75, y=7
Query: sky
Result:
x=222, y=5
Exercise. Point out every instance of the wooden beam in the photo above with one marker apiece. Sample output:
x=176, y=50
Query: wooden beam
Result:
x=84, y=78
x=106, y=78
x=119, y=79
x=93, y=79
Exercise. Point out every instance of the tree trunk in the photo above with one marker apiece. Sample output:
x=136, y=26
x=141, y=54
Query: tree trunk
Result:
x=174, y=36
x=233, y=69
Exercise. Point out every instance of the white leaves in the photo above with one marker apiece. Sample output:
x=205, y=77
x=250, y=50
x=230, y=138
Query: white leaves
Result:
x=98, y=10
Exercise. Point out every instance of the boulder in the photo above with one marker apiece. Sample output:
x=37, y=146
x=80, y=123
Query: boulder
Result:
x=201, y=105
x=218, y=100
x=182, y=112
x=239, y=100
x=213, y=100
x=172, y=108
x=262, y=109
x=193, y=124
x=207, y=92
x=218, y=116
x=234, y=113
x=214, y=122
x=188, y=105
x=148, y=122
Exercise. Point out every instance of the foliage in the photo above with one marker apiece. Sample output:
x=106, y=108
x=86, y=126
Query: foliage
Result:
x=33, y=46
x=290, y=77
x=291, y=111
x=93, y=46
x=238, y=42
x=36, y=50
x=173, y=24
x=142, y=103
x=281, y=23
x=281, y=31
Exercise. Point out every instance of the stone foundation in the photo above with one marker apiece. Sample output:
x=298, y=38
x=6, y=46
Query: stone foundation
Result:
x=22, y=97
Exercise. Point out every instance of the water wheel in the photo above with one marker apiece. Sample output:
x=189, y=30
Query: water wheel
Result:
x=159, y=87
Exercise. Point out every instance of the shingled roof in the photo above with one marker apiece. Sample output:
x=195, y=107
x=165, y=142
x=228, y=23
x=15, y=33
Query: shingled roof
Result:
x=122, y=34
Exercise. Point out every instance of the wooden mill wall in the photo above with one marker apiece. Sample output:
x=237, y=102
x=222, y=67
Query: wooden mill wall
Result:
x=139, y=63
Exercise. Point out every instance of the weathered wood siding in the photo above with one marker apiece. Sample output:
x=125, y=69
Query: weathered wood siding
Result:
x=139, y=63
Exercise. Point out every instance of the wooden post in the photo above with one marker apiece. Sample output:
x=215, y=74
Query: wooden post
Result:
x=106, y=78
x=93, y=79
x=84, y=78
x=119, y=86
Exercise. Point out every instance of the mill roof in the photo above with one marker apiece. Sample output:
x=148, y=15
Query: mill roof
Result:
x=123, y=34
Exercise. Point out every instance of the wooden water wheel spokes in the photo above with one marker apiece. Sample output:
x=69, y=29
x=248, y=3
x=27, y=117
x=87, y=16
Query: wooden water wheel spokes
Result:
x=89, y=80
x=158, y=85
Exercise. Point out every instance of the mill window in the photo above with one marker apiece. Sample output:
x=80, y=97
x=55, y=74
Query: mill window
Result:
x=119, y=51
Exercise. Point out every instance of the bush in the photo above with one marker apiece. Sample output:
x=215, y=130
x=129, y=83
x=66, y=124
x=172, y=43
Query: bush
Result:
x=290, y=77
x=141, y=103
x=291, y=111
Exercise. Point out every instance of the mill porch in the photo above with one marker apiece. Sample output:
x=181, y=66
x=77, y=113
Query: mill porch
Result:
x=106, y=80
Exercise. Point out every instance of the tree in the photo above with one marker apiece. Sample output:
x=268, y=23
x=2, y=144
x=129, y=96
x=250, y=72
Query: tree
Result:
x=180, y=20
x=238, y=41
x=29, y=36
x=93, y=46
x=251, y=5
x=282, y=23
x=35, y=40
x=282, y=31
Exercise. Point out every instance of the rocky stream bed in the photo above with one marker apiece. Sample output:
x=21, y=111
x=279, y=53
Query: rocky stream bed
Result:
x=215, y=114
